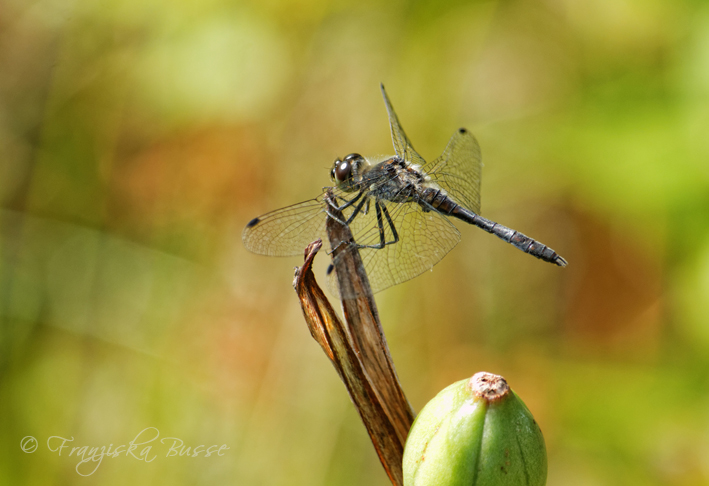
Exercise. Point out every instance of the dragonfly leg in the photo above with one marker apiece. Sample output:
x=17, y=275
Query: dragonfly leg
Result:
x=333, y=204
x=356, y=211
x=348, y=203
x=358, y=208
x=380, y=224
x=391, y=225
x=330, y=215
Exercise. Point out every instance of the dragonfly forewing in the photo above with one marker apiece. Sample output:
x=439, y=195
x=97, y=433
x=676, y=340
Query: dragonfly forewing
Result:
x=286, y=231
x=402, y=145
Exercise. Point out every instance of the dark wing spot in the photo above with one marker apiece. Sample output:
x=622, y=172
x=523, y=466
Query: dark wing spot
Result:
x=252, y=223
x=462, y=130
x=330, y=268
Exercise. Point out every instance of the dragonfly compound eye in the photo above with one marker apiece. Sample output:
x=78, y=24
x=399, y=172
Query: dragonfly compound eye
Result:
x=343, y=170
x=334, y=166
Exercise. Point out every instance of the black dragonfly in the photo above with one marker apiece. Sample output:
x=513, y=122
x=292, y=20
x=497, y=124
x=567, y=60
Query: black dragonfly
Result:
x=398, y=210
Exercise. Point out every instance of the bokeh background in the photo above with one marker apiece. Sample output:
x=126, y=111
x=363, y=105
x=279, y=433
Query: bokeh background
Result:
x=137, y=137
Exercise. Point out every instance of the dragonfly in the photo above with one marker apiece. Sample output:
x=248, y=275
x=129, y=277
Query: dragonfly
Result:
x=398, y=208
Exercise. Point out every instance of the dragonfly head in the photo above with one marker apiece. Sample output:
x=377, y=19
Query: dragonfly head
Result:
x=346, y=172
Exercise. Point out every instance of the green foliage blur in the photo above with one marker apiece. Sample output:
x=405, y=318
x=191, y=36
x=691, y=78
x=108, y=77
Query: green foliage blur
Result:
x=138, y=137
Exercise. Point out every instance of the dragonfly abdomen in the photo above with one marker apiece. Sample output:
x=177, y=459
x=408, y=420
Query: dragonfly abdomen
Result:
x=432, y=198
x=514, y=237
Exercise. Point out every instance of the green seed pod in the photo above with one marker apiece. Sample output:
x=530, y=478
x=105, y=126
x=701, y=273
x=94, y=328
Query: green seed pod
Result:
x=476, y=432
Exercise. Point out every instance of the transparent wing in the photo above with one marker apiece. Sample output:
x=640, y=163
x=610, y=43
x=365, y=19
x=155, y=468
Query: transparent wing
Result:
x=402, y=144
x=458, y=170
x=424, y=239
x=286, y=231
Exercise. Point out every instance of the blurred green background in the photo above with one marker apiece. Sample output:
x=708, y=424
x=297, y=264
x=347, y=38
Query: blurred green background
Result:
x=137, y=137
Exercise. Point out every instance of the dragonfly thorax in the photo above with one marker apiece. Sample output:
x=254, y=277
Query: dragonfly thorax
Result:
x=392, y=180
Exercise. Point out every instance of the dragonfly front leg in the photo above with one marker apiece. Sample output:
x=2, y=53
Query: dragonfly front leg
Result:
x=356, y=211
x=333, y=203
x=348, y=203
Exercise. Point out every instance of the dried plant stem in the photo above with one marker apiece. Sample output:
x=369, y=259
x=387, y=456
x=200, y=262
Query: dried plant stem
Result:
x=358, y=348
